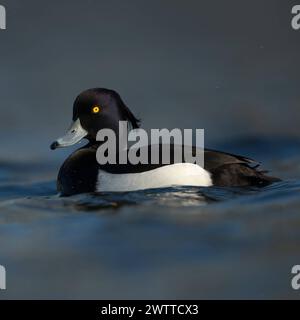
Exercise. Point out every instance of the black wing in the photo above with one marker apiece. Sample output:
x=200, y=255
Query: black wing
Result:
x=229, y=170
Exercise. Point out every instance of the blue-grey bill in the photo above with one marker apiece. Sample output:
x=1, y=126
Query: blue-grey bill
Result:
x=74, y=134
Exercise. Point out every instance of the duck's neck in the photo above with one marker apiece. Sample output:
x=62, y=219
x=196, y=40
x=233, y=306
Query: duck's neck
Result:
x=115, y=144
x=117, y=141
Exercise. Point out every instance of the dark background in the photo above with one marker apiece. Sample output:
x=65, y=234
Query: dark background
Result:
x=231, y=67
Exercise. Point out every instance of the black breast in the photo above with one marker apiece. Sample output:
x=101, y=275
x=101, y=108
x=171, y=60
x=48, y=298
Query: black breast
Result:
x=79, y=173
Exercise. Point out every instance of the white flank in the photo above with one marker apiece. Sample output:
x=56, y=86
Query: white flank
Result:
x=179, y=174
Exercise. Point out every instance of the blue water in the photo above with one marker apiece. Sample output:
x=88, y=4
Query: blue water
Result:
x=183, y=242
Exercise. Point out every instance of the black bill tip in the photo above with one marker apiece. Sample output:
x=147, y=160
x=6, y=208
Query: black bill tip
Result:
x=54, y=145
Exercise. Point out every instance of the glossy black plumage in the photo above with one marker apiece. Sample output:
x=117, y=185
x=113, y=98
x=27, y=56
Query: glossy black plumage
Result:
x=79, y=173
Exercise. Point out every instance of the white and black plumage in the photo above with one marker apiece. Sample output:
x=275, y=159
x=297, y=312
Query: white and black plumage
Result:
x=82, y=173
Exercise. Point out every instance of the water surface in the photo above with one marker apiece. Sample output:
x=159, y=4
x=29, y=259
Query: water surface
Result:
x=181, y=242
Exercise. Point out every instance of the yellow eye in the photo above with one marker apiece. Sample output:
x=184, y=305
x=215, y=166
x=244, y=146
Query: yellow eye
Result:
x=96, y=109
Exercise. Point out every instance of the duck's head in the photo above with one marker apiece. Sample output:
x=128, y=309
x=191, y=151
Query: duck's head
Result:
x=95, y=109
